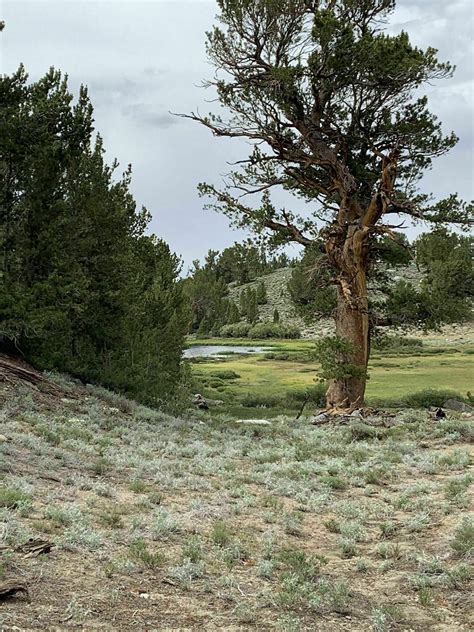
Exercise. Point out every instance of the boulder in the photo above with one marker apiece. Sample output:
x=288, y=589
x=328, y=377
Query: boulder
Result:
x=455, y=404
x=322, y=418
x=200, y=402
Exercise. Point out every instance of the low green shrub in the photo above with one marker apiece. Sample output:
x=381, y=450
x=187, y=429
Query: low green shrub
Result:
x=282, y=356
x=255, y=400
x=457, y=427
x=361, y=431
x=463, y=542
x=259, y=330
x=396, y=343
x=314, y=394
x=430, y=397
x=235, y=330
x=225, y=375
x=215, y=383
x=12, y=498
x=221, y=534
x=456, y=487
x=334, y=482
x=140, y=553
x=421, y=399
x=304, y=565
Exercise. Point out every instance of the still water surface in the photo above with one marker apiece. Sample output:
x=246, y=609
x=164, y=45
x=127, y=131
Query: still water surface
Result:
x=213, y=351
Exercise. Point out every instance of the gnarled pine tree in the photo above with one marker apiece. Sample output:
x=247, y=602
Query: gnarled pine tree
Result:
x=330, y=103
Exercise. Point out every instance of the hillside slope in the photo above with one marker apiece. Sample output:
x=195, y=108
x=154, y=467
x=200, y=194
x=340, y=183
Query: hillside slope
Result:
x=276, y=285
x=174, y=524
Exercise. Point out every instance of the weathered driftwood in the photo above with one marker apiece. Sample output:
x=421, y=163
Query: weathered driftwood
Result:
x=10, y=368
x=11, y=587
x=14, y=371
x=35, y=546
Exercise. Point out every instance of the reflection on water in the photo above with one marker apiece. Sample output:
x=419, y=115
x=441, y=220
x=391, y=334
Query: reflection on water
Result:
x=218, y=351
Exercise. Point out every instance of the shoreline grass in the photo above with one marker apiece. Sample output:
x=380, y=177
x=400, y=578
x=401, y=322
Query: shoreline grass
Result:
x=276, y=380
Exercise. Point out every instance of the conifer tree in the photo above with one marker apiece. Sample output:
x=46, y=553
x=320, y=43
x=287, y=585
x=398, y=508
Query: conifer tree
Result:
x=331, y=105
x=261, y=293
x=252, y=306
x=243, y=302
x=82, y=288
x=233, y=315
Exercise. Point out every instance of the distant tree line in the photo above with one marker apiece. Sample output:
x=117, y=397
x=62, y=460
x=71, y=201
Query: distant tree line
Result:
x=446, y=289
x=440, y=291
x=83, y=288
x=442, y=260
x=207, y=286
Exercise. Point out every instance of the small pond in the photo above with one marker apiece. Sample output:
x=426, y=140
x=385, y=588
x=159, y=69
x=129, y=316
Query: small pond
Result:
x=220, y=351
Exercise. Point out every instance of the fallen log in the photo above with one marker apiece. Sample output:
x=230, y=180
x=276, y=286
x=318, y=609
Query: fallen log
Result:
x=15, y=371
x=12, y=587
x=35, y=547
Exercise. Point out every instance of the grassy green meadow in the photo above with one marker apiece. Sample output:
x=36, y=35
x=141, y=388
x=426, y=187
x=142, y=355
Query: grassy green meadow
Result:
x=276, y=381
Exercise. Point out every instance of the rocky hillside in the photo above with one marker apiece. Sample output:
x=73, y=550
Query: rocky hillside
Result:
x=276, y=285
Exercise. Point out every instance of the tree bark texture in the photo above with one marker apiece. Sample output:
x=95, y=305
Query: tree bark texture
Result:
x=347, y=249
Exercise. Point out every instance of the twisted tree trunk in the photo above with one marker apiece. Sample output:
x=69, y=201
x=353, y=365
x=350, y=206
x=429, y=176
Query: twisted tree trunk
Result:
x=347, y=249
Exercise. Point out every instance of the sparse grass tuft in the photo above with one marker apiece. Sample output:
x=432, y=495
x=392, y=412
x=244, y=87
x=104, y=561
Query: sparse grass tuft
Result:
x=81, y=536
x=64, y=516
x=140, y=553
x=334, y=482
x=112, y=518
x=12, y=498
x=463, y=541
x=193, y=550
x=455, y=489
x=245, y=614
x=348, y=548
x=221, y=535
x=137, y=486
x=385, y=618
x=186, y=572
x=425, y=596
x=362, y=565
x=306, y=567
x=164, y=524
x=292, y=524
x=156, y=498
x=388, y=528
x=333, y=525
x=389, y=551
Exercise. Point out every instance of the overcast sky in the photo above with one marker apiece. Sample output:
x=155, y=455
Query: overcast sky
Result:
x=142, y=59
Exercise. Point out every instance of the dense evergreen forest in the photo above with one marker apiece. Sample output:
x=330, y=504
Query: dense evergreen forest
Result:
x=207, y=285
x=85, y=288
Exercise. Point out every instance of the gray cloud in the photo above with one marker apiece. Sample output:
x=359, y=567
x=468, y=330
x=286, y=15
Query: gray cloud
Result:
x=110, y=89
x=146, y=114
